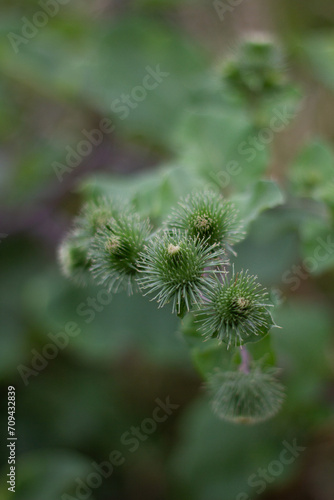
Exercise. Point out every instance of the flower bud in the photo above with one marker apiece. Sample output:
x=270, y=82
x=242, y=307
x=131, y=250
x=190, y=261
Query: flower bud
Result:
x=177, y=268
x=236, y=310
x=246, y=398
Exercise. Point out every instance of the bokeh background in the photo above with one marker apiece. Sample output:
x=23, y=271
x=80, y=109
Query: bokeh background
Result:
x=64, y=77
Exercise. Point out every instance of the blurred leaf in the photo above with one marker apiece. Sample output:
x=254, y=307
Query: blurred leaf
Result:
x=207, y=354
x=317, y=245
x=13, y=343
x=312, y=172
x=271, y=246
x=215, y=459
x=47, y=475
x=217, y=143
x=97, y=64
x=152, y=193
x=302, y=347
x=263, y=351
x=66, y=389
x=262, y=196
x=113, y=326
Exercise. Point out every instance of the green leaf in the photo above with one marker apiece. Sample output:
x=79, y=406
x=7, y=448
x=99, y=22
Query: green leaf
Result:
x=263, y=351
x=99, y=62
x=317, y=245
x=153, y=193
x=214, y=459
x=312, y=172
x=123, y=323
x=214, y=356
x=206, y=354
x=272, y=245
x=302, y=347
x=262, y=196
x=216, y=143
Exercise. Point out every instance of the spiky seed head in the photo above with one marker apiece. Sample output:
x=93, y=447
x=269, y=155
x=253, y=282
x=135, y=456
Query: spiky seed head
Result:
x=178, y=268
x=207, y=216
x=236, y=310
x=246, y=398
x=256, y=66
x=115, y=252
x=73, y=258
x=73, y=252
x=97, y=213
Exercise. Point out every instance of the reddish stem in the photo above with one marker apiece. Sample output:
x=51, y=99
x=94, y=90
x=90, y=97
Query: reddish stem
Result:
x=245, y=360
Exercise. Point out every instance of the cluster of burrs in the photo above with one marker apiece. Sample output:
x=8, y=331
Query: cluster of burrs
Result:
x=185, y=263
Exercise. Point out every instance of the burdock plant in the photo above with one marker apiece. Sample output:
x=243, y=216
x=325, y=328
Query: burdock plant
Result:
x=185, y=264
x=236, y=309
x=96, y=214
x=248, y=397
x=255, y=70
x=73, y=259
x=116, y=249
x=177, y=267
x=209, y=217
x=73, y=252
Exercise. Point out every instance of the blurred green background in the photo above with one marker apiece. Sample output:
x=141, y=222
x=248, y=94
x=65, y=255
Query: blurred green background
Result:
x=62, y=72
